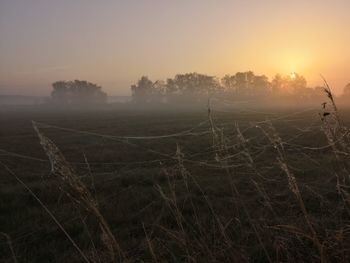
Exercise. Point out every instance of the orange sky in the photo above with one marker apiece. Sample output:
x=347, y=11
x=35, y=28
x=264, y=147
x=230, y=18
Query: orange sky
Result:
x=113, y=43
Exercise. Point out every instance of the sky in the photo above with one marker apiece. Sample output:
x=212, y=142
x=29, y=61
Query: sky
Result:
x=113, y=43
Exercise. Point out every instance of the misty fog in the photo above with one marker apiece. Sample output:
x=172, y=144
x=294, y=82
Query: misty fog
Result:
x=186, y=91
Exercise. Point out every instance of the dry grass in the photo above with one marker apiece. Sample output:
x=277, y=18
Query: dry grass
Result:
x=249, y=221
x=78, y=191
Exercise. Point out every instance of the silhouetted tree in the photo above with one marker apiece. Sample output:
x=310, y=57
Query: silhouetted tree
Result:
x=159, y=89
x=245, y=85
x=77, y=92
x=277, y=85
x=242, y=83
x=261, y=87
x=60, y=92
x=146, y=91
x=142, y=91
x=297, y=85
x=229, y=83
x=194, y=87
x=191, y=87
x=289, y=86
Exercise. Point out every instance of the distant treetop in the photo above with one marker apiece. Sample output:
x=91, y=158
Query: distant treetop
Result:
x=77, y=92
x=242, y=86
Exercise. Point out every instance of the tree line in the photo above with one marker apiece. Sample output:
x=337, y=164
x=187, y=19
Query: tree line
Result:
x=197, y=88
x=194, y=87
x=77, y=92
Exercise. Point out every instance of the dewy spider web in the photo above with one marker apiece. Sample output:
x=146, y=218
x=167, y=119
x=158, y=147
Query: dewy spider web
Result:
x=189, y=132
x=255, y=150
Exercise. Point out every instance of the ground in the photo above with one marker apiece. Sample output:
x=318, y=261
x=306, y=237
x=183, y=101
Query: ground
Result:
x=203, y=193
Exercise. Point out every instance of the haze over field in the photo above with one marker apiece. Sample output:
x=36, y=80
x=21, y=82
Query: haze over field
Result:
x=197, y=131
x=113, y=43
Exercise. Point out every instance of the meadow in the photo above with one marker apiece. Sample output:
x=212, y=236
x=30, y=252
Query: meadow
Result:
x=218, y=185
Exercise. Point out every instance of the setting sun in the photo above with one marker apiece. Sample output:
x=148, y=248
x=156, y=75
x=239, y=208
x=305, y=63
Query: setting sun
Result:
x=292, y=75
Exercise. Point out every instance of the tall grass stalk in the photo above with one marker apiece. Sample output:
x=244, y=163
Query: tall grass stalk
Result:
x=277, y=143
x=77, y=189
x=219, y=143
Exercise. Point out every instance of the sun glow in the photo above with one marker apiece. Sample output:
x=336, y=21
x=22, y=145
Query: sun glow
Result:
x=293, y=75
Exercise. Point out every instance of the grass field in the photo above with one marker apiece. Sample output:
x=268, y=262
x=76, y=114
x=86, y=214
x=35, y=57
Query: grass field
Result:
x=175, y=186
